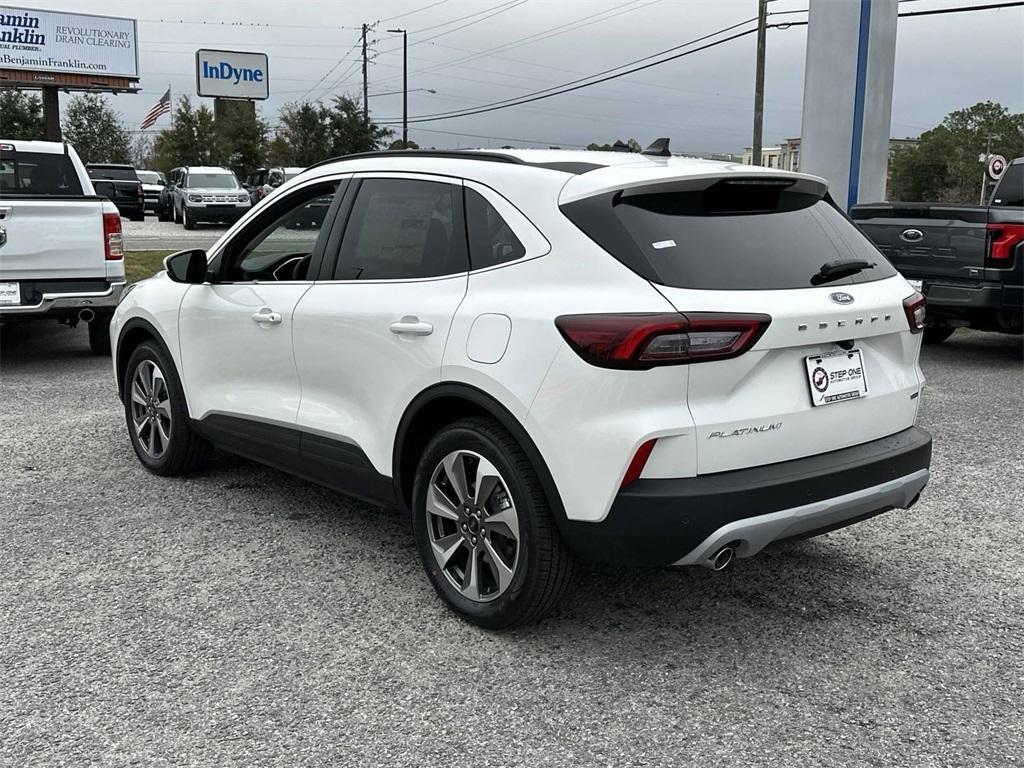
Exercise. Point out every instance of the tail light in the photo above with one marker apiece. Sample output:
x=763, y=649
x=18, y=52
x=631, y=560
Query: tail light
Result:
x=113, y=244
x=913, y=306
x=636, y=466
x=643, y=341
x=1003, y=238
x=142, y=194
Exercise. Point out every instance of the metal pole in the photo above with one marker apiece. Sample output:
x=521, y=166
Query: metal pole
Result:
x=366, y=102
x=405, y=89
x=51, y=113
x=984, y=171
x=762, y=29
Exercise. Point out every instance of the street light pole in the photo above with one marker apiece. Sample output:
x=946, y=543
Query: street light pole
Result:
x=405, y=85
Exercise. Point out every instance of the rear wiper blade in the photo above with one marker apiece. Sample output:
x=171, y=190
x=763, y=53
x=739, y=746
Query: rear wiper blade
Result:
x=833, y=270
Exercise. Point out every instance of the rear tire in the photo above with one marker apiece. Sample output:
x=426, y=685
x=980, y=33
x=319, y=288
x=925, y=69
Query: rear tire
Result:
x=472, y=525
x=161, y=214
x=137, y=217
x=99, y=335
x=157, y=415
x=936, y=334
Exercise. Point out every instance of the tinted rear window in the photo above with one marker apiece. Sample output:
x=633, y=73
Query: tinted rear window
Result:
x=1010, y=191
x=36, y=173
x=727, y=239
x=112, y=174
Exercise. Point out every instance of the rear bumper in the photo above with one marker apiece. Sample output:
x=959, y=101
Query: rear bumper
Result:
x=957, y=298
x=687, y=520
x=68, y=303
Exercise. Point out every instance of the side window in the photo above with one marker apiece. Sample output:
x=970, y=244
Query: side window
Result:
x=401, y=229
x=280, y=244
x=491, y=239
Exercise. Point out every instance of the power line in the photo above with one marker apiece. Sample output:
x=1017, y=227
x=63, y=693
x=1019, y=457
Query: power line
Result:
x=491, y=13
x=410, y=13
x=564, y=87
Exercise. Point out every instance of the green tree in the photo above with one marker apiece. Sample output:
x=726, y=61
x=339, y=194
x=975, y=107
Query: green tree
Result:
x=21, y=116
x=191, y=140
x=95, y=130
x=632, y=144
x=241, y=138
x=278, y=152
x=399, y=144
x=350, y=132
x=303, y=126
x=944, y=166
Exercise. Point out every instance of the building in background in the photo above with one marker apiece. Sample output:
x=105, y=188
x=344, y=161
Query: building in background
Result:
x=786, y=156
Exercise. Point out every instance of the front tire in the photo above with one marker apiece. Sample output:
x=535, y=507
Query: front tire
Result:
x=187, y=220
x=157, y=416
x=484, y=528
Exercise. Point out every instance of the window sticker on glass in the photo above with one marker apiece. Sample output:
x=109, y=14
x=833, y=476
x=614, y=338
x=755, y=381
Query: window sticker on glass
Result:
x=664, y=244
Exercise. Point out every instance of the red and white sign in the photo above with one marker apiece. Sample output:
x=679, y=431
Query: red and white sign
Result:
x=996, y=165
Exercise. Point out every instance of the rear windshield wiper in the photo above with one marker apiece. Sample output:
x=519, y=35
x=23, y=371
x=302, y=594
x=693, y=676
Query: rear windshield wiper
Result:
x=833, y=270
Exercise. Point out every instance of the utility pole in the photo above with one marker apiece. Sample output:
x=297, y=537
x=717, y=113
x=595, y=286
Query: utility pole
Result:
x=405, y=85
x=762, y=29
x=366, y=100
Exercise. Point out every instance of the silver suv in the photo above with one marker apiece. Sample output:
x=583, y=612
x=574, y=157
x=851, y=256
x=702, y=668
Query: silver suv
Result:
x=206, y=194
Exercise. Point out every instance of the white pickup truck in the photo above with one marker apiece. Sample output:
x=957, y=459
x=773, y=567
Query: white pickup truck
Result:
x=61, y=253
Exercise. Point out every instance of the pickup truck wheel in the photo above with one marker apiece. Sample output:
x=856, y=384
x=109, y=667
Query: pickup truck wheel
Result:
x=161, y=214
x=484, y=529
x=187, y=220
x=137, y=217
x=99, y=335
x=157, y=416
x=936, y=334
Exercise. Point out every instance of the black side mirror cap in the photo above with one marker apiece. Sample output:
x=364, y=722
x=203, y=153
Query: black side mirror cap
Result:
x=187, y=266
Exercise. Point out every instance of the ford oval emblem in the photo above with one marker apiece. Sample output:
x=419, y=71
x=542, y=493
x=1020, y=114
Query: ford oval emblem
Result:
x=841, y=298
x=911, y=235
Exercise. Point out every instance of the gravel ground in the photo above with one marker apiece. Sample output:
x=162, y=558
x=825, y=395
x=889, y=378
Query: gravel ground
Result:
x=153, y=235
x=242, y=617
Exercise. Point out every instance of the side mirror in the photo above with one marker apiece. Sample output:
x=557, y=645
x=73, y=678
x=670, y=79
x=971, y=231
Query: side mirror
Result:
x=104, y=188
x=187, y=266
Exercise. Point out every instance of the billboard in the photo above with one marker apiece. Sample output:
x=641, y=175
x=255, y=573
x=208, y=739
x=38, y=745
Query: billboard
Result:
x=231, y=74
x=71, y=43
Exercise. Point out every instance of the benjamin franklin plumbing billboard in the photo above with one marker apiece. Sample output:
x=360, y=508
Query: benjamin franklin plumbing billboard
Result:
x=73, y=43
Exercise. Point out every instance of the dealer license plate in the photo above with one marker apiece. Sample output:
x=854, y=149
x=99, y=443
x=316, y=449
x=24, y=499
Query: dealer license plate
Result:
x=10, y=294
x=836, y=377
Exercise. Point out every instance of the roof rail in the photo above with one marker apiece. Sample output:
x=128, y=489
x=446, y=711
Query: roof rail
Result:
x=451, y=154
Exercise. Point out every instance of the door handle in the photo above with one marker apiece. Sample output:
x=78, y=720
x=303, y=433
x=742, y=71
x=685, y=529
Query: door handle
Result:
x=266, y=317
x=412, y=326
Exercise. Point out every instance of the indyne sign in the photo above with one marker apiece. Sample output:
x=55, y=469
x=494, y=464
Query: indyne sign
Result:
x=232, y=74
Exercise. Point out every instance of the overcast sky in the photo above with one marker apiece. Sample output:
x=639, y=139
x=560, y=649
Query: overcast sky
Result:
x=703, y=102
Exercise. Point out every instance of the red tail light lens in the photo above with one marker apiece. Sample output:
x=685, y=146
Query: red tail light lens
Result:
x=1003, y=238
x=113, y=245
x=914, y=305
x=643, y=341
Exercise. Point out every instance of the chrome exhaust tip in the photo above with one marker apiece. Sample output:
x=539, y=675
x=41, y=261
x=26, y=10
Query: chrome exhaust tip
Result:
x=86, y=315
x=720, y=559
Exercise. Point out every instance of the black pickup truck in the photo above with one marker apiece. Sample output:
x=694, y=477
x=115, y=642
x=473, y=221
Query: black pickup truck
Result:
x=969, y=258
x=127, y=195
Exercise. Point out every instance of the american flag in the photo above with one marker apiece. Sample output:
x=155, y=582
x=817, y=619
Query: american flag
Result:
x=162, y=107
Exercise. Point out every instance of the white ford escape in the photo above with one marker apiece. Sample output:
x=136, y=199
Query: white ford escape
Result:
x=543, y=356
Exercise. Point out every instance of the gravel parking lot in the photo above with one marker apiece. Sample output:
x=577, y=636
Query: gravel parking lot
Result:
x=242, y=617
x=154, y=235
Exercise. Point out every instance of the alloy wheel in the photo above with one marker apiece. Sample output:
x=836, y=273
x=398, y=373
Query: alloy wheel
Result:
x=151, y=409
x=473, y=526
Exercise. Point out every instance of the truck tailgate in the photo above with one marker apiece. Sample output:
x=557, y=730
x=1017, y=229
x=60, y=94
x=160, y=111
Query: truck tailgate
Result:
x=50, y=238
x=928, y=240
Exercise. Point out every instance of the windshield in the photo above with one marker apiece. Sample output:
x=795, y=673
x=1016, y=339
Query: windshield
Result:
x=1010, y=190
x=212, y=181
x=112, y=174
x=149, y=177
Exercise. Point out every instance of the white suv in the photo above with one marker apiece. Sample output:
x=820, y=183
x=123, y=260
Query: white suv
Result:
x=543, y=356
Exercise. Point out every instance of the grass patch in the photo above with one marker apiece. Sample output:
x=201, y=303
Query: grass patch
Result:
x=138, y=265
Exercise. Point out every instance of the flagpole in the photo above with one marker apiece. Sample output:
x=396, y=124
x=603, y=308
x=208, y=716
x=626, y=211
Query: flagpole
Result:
x=170, y=103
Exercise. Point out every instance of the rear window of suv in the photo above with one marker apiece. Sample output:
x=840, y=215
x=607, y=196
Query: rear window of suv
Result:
x=111, y=173
x=37, y=173
x=728, y=236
